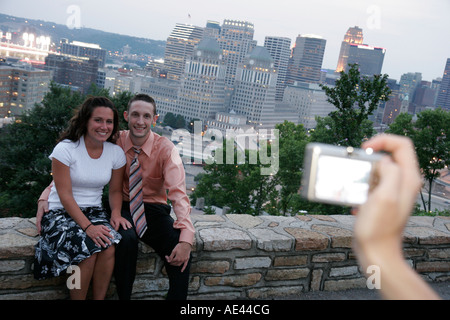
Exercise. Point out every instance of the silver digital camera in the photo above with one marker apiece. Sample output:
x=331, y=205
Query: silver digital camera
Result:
x=338, y=175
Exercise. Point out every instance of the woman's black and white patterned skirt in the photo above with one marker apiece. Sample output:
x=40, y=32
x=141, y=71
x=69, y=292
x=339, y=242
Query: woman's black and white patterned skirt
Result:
x=63, y=243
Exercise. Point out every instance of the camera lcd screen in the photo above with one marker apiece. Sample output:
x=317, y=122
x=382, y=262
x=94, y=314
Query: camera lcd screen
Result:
x=342, y=179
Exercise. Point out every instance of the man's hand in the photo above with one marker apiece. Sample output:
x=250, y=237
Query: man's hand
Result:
x=180, y=255
x=116, y=222
x=42, y=208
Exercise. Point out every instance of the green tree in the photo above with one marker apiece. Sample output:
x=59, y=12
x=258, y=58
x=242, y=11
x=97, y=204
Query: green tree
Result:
x=292, y=142
x=24, y=149
x=240, y=186
x=431, y=136
x=170, y=120
x=355, y=97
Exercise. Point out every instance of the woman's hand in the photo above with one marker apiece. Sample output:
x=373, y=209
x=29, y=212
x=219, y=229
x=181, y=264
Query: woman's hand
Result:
x=100, y=234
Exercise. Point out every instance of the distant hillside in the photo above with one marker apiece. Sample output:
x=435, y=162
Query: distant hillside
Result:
x=107, y=40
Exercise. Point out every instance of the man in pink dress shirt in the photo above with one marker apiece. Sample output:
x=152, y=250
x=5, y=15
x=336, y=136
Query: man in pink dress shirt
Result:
x=163, y=178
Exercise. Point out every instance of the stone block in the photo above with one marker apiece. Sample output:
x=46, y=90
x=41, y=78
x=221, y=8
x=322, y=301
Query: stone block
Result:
x=219, y=239
x=252, y=262
x=269, y=240
x=337, y=285
x=340, y=238
x=329, y=257
x=212, y=266
x=286, y=274
x=443, y=253
x=316, y=279
x=433, y=266
x=242, y=280
x=344, y=271
x=289, y=261
x=427, y=235
x=13, y=245
x=307, y=239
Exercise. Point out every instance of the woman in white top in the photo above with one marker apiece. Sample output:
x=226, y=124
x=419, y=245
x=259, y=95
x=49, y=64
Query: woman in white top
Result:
x=77, y=230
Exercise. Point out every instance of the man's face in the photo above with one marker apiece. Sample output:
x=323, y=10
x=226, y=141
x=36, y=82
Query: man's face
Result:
x=140, y=118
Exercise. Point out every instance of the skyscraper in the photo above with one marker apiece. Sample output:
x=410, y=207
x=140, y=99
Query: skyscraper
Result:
x=202, y=87
x=21, y=86
x=306, y=59
x=82, y=49
x=443, y=99
x=369, y=59
x=353, y=50
x=354, y=35
x=280, y=50
x=255, y=85
x=180, y=45
x=236, y=41
x=409, y=83
x=76, y=72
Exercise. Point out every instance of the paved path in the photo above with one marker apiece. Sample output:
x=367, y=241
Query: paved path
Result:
x=442, y=288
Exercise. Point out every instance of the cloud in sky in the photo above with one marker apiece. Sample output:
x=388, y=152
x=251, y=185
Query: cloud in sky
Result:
x=414, y=32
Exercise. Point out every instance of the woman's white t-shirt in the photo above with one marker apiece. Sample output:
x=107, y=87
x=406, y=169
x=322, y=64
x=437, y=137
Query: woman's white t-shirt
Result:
x=88, y=175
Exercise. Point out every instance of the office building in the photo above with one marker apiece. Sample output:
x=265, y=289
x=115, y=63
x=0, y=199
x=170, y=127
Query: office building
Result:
x=165, y=93
x=424, y=97
x=179, y=46
x=280, y=51
x=85, y=50
x=354, y=35
x=255, y=86
x=212, y=29
x=78, y=73
x=308, y=100
x=236, y=41
x=443, y=99
x=21, y=86
x=353, y=50
x=306, y=59
x=202, y=87
x=369, y=59
x=409, y=83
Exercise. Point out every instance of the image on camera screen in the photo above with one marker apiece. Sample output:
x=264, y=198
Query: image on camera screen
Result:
x=342, y=179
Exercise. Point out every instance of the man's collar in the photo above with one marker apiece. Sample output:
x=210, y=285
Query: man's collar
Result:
x=146, y=147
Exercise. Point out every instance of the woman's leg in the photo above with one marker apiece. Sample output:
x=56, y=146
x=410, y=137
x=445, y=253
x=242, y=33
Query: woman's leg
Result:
x=86, y=270
x=103, y=270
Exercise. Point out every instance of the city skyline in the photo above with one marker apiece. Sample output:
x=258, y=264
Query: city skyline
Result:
x=412, y=32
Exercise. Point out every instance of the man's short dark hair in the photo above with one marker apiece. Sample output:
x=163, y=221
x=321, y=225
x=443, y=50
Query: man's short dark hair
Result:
x=142, y=97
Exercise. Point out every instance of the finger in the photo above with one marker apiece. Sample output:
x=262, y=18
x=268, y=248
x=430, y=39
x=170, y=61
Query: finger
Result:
x=126, y=225
x=401, y=148
x=403, y=153
x=184, y=265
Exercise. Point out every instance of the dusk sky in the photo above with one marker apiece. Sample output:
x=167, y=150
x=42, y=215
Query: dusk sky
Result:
x=415, y=33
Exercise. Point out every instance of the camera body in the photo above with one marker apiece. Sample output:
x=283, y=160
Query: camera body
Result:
x=338, y=175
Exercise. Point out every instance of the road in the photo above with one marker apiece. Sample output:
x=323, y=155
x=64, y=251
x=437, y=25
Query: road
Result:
x=437, y=202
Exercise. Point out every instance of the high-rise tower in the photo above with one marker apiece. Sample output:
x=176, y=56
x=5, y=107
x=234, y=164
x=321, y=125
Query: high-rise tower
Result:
x=202, y=87
x=306, y=59
x=180, y=45
x=443, y=99
x=236, y=41
x=369, y=58
x=354, y=35
x=255, y=85
x=280, y=50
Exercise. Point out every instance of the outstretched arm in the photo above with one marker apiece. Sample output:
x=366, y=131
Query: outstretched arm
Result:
x=381, y=220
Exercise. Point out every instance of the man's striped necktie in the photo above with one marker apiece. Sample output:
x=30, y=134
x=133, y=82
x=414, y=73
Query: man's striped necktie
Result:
x=136, y=197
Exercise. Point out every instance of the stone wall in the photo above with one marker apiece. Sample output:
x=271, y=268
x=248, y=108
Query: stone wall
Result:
x=241, y=257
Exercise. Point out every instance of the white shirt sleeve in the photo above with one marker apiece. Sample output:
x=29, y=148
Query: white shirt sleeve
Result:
x=62, y=152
